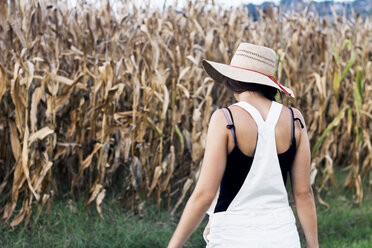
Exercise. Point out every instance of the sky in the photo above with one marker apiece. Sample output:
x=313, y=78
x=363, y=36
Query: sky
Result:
x=226, y=3
x=229, y=3
x=180, y=3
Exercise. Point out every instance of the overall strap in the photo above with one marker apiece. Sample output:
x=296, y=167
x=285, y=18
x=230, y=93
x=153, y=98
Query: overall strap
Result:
x=252, y=111
x=274, y=113
x=297, y=119
x=230, y=124
x=293, y=126
x=293, y=139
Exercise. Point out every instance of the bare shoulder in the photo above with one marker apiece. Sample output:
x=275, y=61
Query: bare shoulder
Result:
x=217, y=119
x=217, y=128
x=297, y=114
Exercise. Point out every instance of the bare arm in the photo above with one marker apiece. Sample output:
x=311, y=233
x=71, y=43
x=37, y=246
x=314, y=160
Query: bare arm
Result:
x=302, y=191
x=211, y=173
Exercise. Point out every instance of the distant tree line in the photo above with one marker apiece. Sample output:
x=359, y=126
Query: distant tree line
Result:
x=357, y=7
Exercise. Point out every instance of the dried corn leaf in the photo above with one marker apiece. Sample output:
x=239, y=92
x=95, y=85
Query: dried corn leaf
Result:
x=25, y=163
x=36, y=97
x=99, y=200
x=155, y=180
x=39, y=135
x=39, y=179
x=2, y=77
x=18, y=32
x=170, y=164
x=329, y=167
x=45, y=198
x=3, y=16
x=18, y=219
x=186, y=188
x=14, y=142
x=136, y=172
x=85, y=164
x=95, y=191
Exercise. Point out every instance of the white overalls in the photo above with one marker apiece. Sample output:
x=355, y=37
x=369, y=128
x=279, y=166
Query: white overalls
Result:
x=259, y=216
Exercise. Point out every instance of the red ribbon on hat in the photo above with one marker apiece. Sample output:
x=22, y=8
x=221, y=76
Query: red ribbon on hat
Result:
x=271, y=77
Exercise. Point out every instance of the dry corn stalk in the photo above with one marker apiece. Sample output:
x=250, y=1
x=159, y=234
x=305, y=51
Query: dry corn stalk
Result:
x=88, y=94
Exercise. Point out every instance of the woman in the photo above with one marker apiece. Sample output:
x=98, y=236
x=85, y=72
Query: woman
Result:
x=250, y=148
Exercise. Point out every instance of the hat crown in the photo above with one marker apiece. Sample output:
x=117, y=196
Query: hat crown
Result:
x=253, y=57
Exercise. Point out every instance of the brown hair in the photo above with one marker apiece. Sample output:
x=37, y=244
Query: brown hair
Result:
x=239, y=87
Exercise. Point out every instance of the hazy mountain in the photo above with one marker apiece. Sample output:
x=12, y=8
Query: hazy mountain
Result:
x=361, y=7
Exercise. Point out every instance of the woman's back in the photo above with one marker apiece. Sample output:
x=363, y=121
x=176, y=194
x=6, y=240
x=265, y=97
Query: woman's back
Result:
x=246, y=128
x=252, y=206
x=250, y=148
x=278, y=134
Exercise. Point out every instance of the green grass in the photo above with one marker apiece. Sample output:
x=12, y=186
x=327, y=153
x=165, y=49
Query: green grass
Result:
x=345, y=224
x=119, y=228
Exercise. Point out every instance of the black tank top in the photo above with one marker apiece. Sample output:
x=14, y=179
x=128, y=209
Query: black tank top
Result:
x=238, y=165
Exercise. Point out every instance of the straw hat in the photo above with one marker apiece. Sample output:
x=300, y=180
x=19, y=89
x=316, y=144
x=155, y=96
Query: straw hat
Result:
x=250, y=64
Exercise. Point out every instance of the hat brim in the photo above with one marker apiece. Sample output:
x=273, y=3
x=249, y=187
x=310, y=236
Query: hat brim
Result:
x=218, y=71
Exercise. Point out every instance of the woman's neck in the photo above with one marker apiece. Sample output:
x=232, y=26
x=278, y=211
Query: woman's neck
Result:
x=251, y=97
x=256, y=99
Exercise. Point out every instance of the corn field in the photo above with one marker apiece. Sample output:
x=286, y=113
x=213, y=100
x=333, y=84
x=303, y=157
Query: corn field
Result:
x=95, y=97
